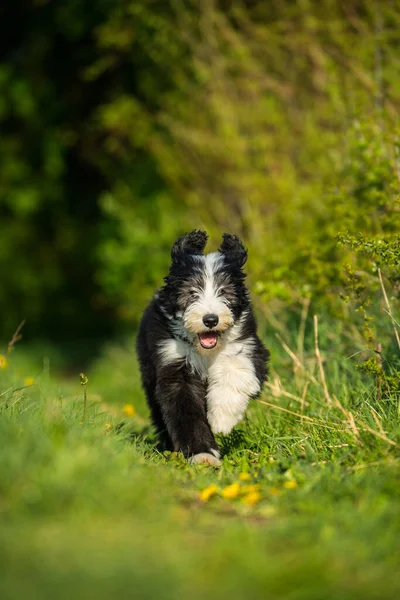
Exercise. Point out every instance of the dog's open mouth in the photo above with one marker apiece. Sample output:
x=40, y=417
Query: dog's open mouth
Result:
x=208, y=339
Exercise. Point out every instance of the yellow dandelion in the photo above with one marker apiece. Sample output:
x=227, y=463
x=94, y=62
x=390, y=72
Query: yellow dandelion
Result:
x=290, y=485
x=250, y=489
x=231, y=491
x=3, y=362
x=129, y=410
x=208, y=492
x=252, y=498
x=256, y=474
x=108, y=426
x=274, y=491
x=29, y=381
x=244, y=476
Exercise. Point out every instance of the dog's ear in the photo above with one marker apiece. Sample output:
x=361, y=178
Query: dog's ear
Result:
x=233, y=249
x=190, y=243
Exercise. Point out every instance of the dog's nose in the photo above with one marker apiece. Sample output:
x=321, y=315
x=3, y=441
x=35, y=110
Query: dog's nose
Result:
x=210, y=320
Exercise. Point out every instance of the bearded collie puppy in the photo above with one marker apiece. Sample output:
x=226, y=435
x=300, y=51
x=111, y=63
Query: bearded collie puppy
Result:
x=199, y=354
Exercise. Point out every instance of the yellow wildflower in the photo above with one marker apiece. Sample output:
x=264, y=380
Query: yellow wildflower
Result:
x=274, y=491
x=29, y=381
x=290, y=485
x=252, y=498
x=129, y=410
x=108, y=426
x=3, y=362
x=250, y=489
x=208, y=492
x=244, y=476
x=256, y=474
x=231, y=491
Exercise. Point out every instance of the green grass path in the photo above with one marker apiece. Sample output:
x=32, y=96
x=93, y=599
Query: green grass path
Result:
x=305, y=506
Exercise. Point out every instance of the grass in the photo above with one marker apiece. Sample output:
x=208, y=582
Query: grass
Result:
x=305, y=505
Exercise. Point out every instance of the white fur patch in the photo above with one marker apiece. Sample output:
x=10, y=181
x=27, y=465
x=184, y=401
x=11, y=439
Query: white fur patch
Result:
x=204, y=458
x=208, y=301
x=231, y=382
x=175, y=350
x=172, y=350
x=215, y=453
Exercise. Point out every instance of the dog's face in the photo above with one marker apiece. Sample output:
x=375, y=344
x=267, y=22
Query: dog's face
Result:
x=205, y=295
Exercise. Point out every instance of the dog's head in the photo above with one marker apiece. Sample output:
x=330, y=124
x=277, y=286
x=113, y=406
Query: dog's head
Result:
x=204, y=294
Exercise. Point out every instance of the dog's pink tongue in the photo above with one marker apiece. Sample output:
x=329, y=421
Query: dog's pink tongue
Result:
x=208, y=340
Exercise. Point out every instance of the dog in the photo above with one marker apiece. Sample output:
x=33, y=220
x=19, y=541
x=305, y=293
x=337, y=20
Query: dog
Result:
x=199, y=354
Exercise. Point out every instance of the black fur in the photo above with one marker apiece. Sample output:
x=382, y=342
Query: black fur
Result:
x=175, y=391
x=191, y=243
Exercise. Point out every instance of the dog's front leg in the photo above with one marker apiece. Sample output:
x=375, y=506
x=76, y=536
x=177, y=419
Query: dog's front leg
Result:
x=232, y=381
x=181, y=398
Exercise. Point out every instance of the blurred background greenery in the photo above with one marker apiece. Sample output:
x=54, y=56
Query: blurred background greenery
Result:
x=127, y=122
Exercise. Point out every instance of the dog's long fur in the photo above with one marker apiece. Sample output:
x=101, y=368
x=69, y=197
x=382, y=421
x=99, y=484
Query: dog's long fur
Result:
x=194, y=389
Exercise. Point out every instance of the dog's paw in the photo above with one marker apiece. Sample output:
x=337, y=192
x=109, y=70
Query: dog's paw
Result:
x=222, y=422
x=205, y=458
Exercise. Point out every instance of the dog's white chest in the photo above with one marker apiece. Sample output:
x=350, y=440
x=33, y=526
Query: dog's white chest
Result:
x=174, y=350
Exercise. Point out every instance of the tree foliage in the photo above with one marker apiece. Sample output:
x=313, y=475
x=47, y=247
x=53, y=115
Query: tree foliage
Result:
x=126, y=123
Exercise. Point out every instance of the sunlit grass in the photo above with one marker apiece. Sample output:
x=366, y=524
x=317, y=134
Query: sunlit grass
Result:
x=304, y=505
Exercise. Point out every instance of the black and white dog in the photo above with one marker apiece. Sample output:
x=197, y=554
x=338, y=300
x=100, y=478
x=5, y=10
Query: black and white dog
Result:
x=200, y=357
